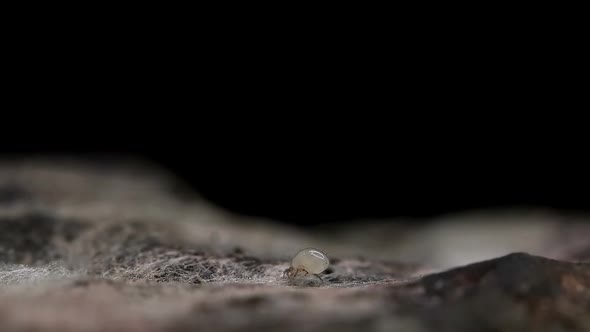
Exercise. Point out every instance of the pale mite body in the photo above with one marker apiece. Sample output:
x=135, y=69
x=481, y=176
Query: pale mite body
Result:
x=308, y=261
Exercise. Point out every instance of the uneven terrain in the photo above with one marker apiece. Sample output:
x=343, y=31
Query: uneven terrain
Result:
x=123, y=246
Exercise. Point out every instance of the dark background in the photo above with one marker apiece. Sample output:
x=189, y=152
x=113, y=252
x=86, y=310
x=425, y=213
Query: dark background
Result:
x=348, y=175
x=355, y=125
x=309, y=143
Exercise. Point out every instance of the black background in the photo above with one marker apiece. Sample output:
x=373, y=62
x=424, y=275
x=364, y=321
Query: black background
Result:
x=344, y=175
x=347, y=153
x=326, y=128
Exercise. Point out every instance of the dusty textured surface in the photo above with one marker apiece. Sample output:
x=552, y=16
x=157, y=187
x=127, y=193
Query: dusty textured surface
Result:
x=124, y=247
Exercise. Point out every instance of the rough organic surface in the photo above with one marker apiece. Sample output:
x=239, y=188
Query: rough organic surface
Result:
x=124, y=247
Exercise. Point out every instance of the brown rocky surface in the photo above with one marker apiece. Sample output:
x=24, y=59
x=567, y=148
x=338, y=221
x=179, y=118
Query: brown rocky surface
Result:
x=123, y=247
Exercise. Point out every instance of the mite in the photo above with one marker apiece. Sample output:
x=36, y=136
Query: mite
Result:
x=308, y=261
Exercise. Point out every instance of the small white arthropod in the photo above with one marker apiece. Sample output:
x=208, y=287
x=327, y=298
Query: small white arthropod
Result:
x=309, y=261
